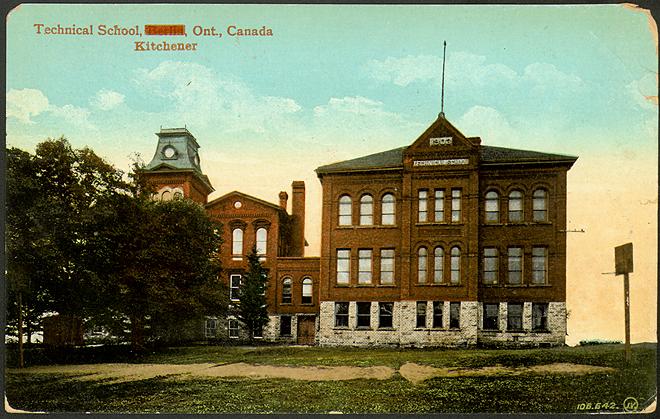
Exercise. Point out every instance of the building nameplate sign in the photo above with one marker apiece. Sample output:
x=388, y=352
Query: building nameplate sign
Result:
x=442, y=162
x=440, y=140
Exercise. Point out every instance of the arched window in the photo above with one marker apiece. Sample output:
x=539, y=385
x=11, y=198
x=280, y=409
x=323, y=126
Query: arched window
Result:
x=366, y=210
x=307, y=291
x=166, y=196
x=421, y=265
x=455, y=265
x=237, y=243
x=286, y=291
x=515, y=206
x=492, y=207
x=388, y=210
x=438, y=264
x=178, y=195
x=262, y=241
x=345, y=211
x=540, y=205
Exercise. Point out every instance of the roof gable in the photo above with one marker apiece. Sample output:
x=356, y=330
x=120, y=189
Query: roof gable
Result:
x=442, y=136
x=231, y=197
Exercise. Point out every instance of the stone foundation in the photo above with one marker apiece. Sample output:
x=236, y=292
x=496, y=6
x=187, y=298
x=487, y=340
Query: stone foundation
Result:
x=405, y=333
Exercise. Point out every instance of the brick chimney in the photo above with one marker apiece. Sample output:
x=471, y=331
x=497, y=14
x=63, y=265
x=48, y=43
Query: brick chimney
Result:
x=297, y=218
x=284, y=198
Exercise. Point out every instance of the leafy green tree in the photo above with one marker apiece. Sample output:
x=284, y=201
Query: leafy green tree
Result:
x=50, y=196
x=252, y=309
x=160, y=265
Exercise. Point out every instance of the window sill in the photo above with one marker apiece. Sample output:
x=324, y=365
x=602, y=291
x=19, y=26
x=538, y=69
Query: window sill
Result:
x=516, y=331
x=286, y=304
x=439, y=284
x=438, y=224
x=387, y=329
x=542, y=331
x=342, y=285
x=386, y=285
x=363, y=328
x=307, y=304
x=286, y=336
x=454, y=329
x=340, y=328
x=491, y=330
x=359, y=227
x=540, y=285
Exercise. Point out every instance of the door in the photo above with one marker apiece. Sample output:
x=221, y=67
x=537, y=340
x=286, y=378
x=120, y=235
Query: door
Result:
x=306, y=330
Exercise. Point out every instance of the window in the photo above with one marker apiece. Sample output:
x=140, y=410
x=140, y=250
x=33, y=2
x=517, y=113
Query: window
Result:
x=437, y=313
x=387, y=266
x=539, y=265
x=364, y=266
x=307, y=291
x=515, y=265
x=285, y=325
x=422, y=204
x=455, y=205
x=366, y=210
x=237, y=244
x=514, y=316
x=421, y=314
x=363, y=315
x=343, y=266
x=262, y=240
x=345, y=211
x=211, y=327
x=492, y=207
x=491, y=264
x=491, y=316
x=540, y=205
x=234, y=287
x=233, y=328
x=166, y=196
x=178, y=195
x=421, y=265
x=439, y=209
x=286, y=291
x=388, y=210
x=341, y=314
x=515, y=206
x=438, y=264
x=455, y=265
x=539, y=316
x=455, y=315
x=385, y=315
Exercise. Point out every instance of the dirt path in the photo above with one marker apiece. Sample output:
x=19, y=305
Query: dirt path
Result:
x=417, y=373
x=412, y=372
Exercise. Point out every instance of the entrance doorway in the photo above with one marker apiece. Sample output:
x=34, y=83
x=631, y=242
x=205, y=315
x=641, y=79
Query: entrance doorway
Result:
x=306, y=330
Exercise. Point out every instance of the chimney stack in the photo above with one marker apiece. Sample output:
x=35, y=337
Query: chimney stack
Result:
x=298, y=218
x=284, y=198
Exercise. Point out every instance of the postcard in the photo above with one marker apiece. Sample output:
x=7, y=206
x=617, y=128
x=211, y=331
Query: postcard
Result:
x=260, y=208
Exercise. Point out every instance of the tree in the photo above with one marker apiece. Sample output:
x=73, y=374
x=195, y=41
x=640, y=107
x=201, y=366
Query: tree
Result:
x=50, y=195
x=252, y=307
x=160, y=265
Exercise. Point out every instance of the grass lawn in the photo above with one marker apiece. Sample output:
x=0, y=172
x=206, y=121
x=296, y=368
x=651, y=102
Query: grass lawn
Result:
x=56, y=392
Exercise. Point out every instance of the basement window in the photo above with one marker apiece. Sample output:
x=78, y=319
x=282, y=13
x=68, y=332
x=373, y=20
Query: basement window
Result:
x=363, y=315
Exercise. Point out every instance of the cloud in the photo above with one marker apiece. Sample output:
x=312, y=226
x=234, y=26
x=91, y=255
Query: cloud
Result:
x=489, y=124
x=406, y=70
x=200, y=96
x=354, y=105
x=26, y=103
x=107, y=99
x=74, y=115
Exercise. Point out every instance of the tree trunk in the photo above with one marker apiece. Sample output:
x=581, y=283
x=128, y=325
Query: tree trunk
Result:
x=21, y=362
x=137, y=334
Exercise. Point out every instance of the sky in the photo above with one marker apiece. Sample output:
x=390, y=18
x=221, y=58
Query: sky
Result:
x=339, y=82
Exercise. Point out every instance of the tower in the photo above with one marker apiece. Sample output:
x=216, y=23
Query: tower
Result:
x=174, y=171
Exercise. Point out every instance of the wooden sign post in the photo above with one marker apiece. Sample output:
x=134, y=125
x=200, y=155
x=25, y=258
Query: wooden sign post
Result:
x=623, y=261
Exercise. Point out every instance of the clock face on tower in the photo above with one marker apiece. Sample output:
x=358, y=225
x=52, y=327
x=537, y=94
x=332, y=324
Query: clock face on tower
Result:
x=169, y=152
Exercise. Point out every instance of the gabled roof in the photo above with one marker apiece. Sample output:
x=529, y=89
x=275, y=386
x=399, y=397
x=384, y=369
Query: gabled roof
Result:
x=384, y=160
x=247, y=197
x=393, y=159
